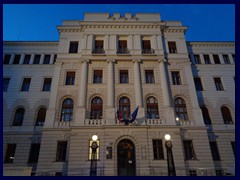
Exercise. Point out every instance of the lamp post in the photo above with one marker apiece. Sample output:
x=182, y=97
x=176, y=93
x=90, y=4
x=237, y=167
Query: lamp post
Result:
x=170, y=161
x=93, y=166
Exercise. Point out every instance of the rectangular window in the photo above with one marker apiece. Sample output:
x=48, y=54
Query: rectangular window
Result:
x=233, y=147
x=16, y=59
x=122, y=46
x=108, y=152
x=6, y=58
x=34, y=153
x=70, y=78
x=47, y=59
x=233, y=56
x=206, y=59
x=216, y=59
x=189, y=150
x=226, y=59
x=47, y=84
x=146, y=47
x=149, y=75
x=5, y=84
x=176, y=78
x=97, y=76
x=26, y=84
x=192, y=173
x=10, y=152
x=198, y=84
x=98, y=49
x=214, y=151
x=218, y=84
x=157, y=149
x=172, y=47
x=73, y=47
x=90, y=154
x=27, y=59
x=55, y=57
x=37, y=59
x=123, y=76
x=197, y=59
x=61, y=151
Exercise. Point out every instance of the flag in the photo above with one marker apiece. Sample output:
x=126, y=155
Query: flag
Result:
x=134, y=115
x=128, y=120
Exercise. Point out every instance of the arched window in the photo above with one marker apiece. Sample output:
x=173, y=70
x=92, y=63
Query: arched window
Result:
x=206, y=117
x=41, y=115
x=96, y=108
x=18, y=117
x=124, y=107
x=67, y=110
x=181, y=109
x=152, y=108
x=227, y=118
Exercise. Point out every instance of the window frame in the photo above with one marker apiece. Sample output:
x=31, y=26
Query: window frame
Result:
x=10, y=153
x=189, y=152
x=172, y=47
x=6, y=84
x=218, y=84
x=214, y=151
x=69, y=108
x=226, y=115
x=97, y=76
x=73, y=47
x=176, y=78
x=61, y=153
x=7, y=58
x=158, y=152
x=181, y=114
x=198, y=83
x=149, y=76
x=124, y=105
x=26, y=82
x=96, y=108
x=34, y=153
x=47, y=87
x=152, y=108
x=21, y=116
x=206, y=116
x=39, y=119
x=123, y=77
x=70, y=78
x=36, y=59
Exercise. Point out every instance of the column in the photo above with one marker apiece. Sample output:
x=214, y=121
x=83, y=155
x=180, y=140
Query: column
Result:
x=130, y=43
x=89, y=43
x=12, y=58
x=106, y=43
x=137, y=84
x=110, y=87
x=154, y=42
x=201, y=58
x=164, y=83
x=42, y=58
x=22, y=58
x=32, y=58
x=52, y=59
x=159, y=49
x=82, y=91
x=211, y=58
x=231, y=58
x=50, y=115
x=113, y=44
x=221, y=58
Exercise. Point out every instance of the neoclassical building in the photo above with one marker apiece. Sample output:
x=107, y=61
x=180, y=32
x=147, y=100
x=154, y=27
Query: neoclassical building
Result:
x=57, y=95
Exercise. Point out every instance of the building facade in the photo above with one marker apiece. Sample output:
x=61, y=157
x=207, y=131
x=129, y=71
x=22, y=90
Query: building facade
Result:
x=57, y=95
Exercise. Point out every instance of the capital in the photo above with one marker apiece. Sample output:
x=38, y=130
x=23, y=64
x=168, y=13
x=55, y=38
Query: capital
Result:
x=136, y=60
x=85, y=61
x=111, y=60
x=162, y=60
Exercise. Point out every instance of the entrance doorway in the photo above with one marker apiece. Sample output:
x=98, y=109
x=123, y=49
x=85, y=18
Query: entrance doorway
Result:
x=126, y=158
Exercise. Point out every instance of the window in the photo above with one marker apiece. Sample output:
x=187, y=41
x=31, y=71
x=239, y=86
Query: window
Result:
x=122, y=46
x=16, y=59
x=47, y=84
x=181, y=109
x=5, y=84
x=157, y=149
x=189, y=150
x=70, y=78
x=152, y=108
x=226, y=59
x=37, y=59
x=97, y=76
x=206, y=117
x=176, y=78
x=192, y=173
x=41, y=115
x=10, y=152
x=98, y=47
x=18, y=117
x=55, y=57
x=218, y=84
x=214, y=151
x=219, y=172
x=61, y=151
x=206, y=59
x=73, y=48
x=198, y=84
x=96, y=108
x=47, y=59
x=6, y=58
x=26, y=84
x=227, y=118
x=124, y=107
x=149, y=75
x=197, y=59
x=34, y=153
x=123, y=76
x=172, y=47
x=216, y=59
x=90, y=154
x=233, y=147
x=58, y=173
x=233, y=56
x=108, y=152
x=27, y=59
x=67, y=110
x=146, y=47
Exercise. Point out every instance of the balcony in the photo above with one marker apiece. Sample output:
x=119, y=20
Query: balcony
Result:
x=123, y=51
x=98, y=51
x=148, y=51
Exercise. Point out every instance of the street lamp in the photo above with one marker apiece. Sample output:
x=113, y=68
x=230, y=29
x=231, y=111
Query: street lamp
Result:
x=170, y=161
x=94, y=146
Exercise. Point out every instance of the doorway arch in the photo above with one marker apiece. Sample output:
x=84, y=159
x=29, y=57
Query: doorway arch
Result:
x=126, y=158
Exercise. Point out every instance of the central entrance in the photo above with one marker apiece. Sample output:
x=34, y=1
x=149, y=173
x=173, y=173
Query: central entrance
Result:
x=126, y=158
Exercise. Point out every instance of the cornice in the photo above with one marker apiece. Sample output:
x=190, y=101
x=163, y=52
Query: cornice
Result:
x=211, y=44
x=30, y=43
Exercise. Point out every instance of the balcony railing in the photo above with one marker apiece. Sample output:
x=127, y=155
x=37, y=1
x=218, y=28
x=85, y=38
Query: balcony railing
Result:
x=148, y=51
x=123, y=51
x=98, y=51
